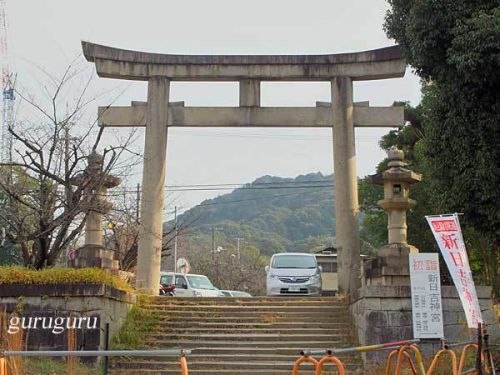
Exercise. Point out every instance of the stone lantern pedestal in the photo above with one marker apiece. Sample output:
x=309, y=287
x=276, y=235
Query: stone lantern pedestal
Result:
x=390, y=266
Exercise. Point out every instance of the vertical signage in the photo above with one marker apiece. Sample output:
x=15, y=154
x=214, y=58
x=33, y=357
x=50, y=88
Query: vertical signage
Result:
x=448, y=235
x=427, y=311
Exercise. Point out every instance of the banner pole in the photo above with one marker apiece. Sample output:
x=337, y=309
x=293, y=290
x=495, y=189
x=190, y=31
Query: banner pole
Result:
x=479, y=370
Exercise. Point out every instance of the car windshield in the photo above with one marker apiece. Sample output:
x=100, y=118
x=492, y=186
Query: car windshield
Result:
x=166, y=280
x=200, y=282
x=294, y=261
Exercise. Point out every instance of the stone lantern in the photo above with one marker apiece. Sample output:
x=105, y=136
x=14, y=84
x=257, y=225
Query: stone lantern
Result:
x=390, y=266
x=95, y=183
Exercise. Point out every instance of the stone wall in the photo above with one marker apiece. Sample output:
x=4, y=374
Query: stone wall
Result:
x=90, y=301
x=383, y=314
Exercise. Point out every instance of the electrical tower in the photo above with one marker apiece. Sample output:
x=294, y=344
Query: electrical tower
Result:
x=8, y=94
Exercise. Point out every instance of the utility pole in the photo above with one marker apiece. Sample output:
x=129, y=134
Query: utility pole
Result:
x=238, y=239
x=137, y=203
x=214, y=259
x=175, y=239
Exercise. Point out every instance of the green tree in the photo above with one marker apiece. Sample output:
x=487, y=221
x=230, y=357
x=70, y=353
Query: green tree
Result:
x=455, y=48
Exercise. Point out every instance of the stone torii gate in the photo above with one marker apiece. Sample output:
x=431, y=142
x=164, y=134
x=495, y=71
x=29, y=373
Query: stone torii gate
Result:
x=157, y=114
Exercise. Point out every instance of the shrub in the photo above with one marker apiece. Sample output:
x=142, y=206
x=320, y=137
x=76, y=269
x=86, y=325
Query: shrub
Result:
x=22, y=275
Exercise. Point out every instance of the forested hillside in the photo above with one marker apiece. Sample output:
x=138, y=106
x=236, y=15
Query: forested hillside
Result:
x=273, y=214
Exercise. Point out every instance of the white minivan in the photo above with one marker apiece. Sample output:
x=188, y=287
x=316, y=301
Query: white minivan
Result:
x=190, y=285
x=293, y=274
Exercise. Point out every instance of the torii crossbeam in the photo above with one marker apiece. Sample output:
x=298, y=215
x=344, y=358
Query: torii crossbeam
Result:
x=157, y=114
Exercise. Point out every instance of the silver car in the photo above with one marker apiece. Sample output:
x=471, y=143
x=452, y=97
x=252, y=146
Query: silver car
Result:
x=293, y=274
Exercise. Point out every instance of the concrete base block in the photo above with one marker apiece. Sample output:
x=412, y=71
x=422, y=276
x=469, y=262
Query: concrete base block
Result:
x=94, y=304
x=95, y=256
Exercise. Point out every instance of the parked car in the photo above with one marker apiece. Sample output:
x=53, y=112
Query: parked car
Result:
x=190, y=285
x=235, y=293
x=293, y=274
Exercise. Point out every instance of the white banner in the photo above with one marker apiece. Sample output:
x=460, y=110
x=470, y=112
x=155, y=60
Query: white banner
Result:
x=427, y=311
x=447, y=232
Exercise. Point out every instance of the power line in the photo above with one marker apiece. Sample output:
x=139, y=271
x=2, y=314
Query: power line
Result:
x=223, y=187
x=252, y=183
x=250, y=188
x=121, y=192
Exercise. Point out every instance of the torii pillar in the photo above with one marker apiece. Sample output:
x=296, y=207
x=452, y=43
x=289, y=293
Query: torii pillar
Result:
x=153, y=181
x=346, y=185
x=341, y=115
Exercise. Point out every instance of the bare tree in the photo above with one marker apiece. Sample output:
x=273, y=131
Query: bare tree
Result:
x=41, y=210
x=122, y=234
x=224, y=268
x=122, y=227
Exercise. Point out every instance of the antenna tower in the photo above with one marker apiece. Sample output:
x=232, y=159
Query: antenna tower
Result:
x=8, y=93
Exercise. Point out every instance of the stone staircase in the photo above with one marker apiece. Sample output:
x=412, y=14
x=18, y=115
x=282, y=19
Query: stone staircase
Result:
x=258, y=335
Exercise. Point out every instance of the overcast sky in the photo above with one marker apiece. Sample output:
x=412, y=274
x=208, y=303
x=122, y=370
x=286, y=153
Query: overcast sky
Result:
x=48, y=33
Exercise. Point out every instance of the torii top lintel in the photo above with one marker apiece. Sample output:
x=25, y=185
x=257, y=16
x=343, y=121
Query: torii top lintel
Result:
x=133, y=65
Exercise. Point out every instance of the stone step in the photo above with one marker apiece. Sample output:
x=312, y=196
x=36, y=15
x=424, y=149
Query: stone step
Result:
x=263, y=318
x=238, y=309
x=205, y=365
x=162, y=330
x=224, y=357
x=249, y=350
x=323, y=315
x=248, y=301
x=243, y=335
x=193, y=344
x=247, y=337
x=202, y=324
x=169, y=301
x=290, y=351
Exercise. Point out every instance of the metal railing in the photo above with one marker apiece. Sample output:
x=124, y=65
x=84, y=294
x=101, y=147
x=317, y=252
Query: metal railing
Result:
x=361, y=349
x=403, y=352
x=400, y=350
x=329, y=356
x=301, y=360
x=435, y=360
x=97, y=353
x=331, y=359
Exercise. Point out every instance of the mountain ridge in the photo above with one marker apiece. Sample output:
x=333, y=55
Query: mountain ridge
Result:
x=272, y=213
